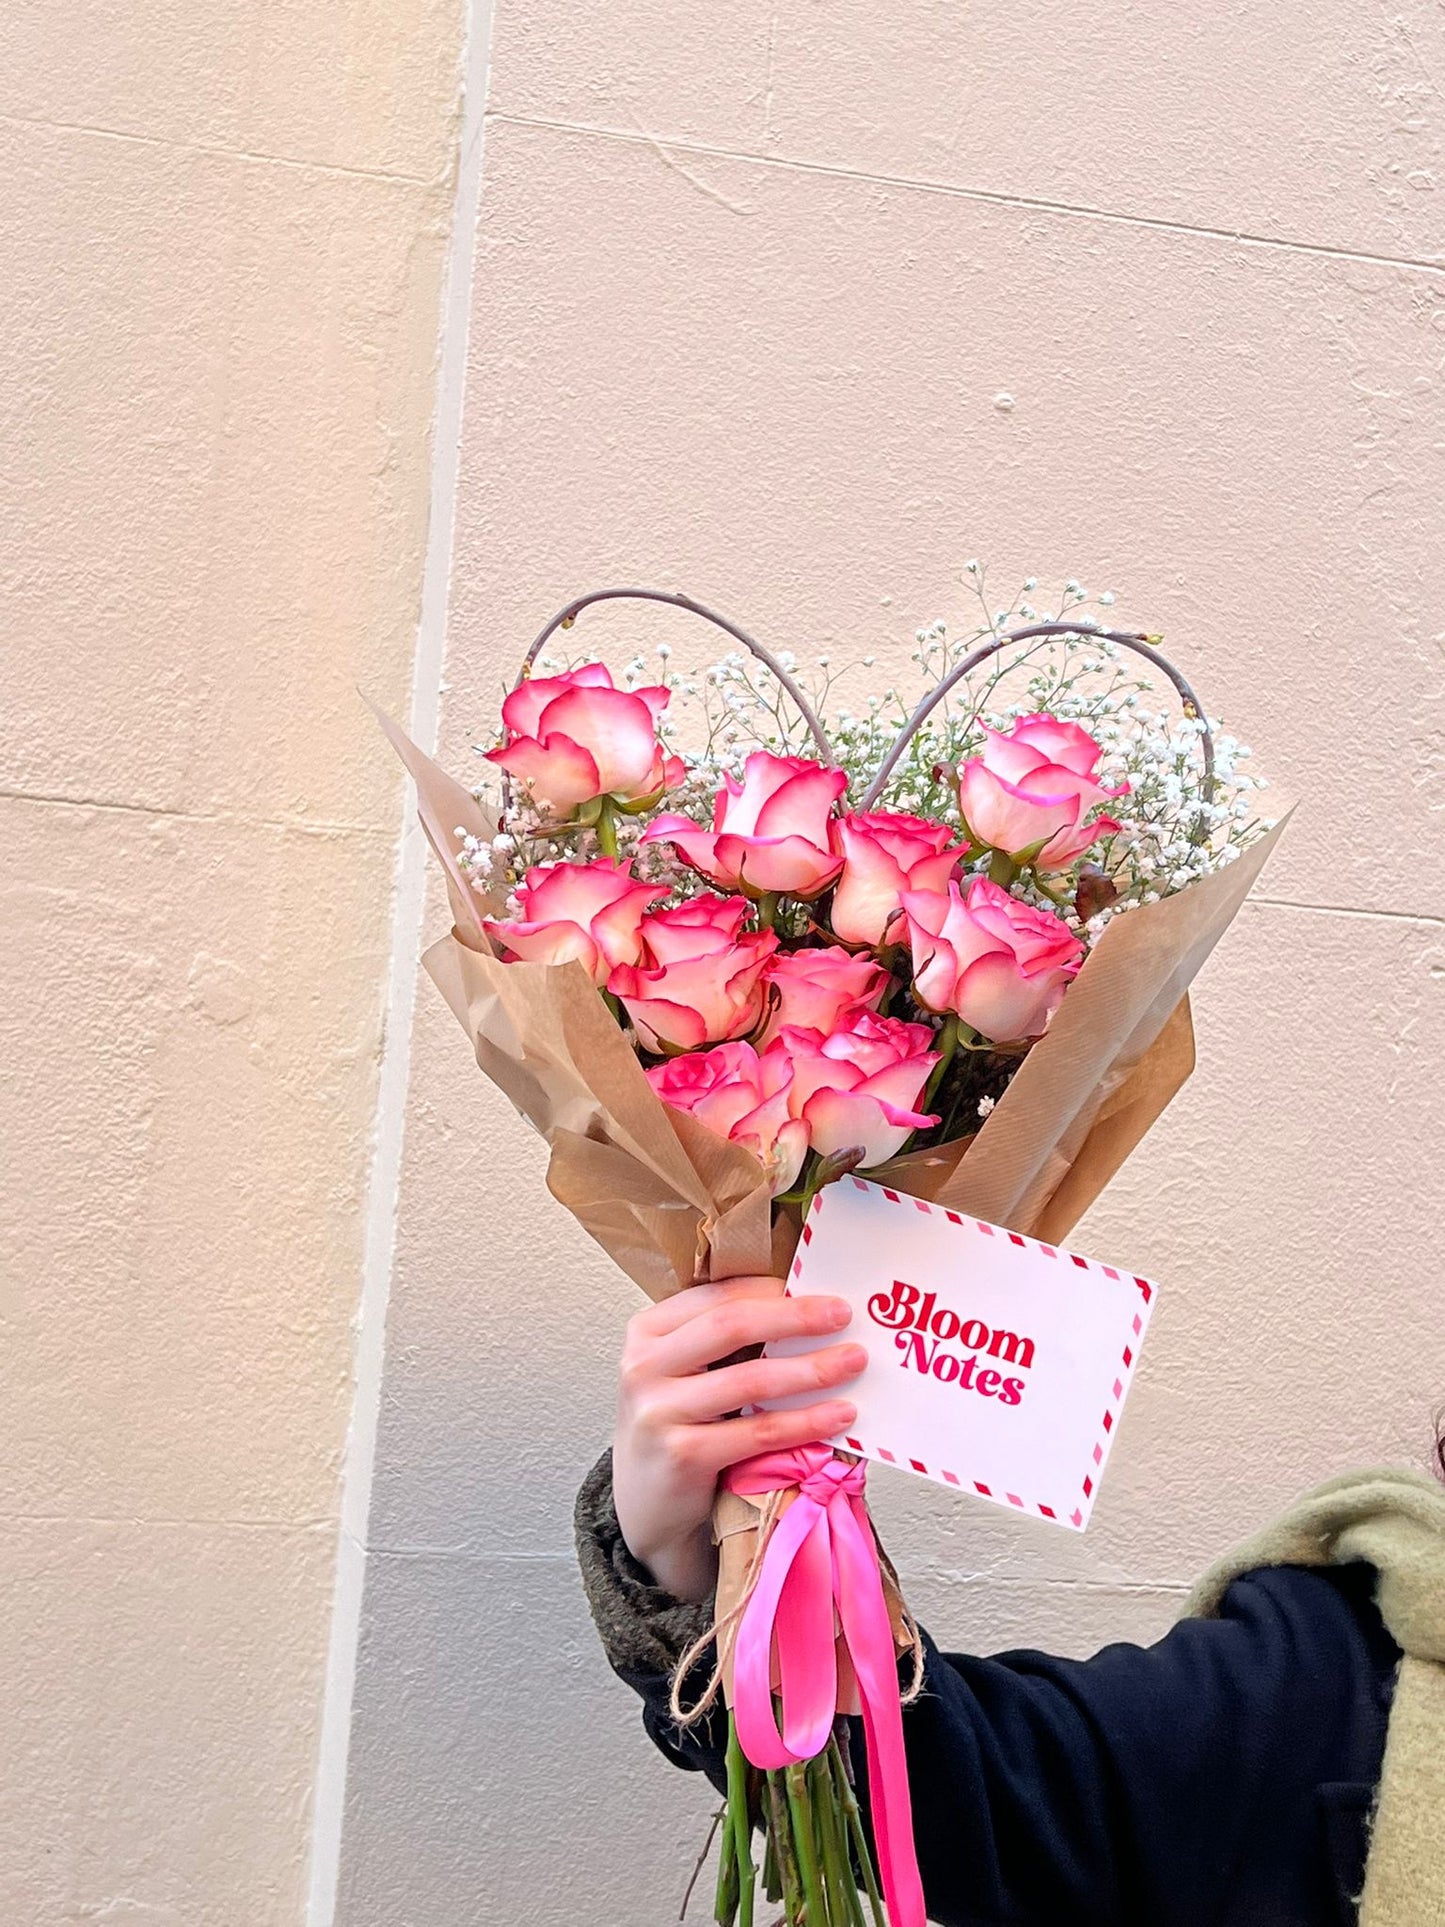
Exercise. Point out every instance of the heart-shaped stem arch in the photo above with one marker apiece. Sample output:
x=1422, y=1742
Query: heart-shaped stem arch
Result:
x=564, y=619
x=1140, y=645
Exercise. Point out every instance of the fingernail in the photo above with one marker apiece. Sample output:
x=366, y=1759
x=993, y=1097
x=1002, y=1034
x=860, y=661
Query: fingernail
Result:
x=853, y=1358
x=845, y=1415
x=839, y=1311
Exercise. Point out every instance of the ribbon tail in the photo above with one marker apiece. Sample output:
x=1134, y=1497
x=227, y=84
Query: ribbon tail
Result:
x=790, y=1600
x=807, y=1644
x=868, y=1631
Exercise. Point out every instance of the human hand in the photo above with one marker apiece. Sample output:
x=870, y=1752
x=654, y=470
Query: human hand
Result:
x=677, y=1427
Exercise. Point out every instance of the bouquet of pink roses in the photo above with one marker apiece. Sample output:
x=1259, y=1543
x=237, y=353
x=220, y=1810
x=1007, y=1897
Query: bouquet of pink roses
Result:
x=950, y=945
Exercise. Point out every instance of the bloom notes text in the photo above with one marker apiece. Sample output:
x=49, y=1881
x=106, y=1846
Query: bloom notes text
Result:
x=925, y=1330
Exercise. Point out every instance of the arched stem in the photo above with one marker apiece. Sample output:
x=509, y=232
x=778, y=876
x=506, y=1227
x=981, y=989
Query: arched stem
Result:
x=564, y=619
x=1141, y=646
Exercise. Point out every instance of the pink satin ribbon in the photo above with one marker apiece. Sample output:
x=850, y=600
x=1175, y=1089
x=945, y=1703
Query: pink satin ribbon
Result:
x=822, y=1555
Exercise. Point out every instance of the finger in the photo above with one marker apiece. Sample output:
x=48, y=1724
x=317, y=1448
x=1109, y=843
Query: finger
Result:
x=739, y=1322
x=708, y=1395
x=656, y=1321
x=724, y=1444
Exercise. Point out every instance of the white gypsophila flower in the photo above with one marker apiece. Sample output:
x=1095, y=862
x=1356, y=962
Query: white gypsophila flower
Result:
x=986, y=1106
x=1171, y=832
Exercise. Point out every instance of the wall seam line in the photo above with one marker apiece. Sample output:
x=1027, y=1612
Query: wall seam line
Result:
x=992, y=197
x=217, y=149
x=224, y=819
x=384, y=1183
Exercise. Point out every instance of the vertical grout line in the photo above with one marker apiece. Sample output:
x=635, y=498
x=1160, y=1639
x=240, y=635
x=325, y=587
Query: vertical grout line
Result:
x=379, y=1237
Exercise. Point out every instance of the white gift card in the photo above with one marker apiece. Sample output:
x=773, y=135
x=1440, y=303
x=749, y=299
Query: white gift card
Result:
x=996, y=1364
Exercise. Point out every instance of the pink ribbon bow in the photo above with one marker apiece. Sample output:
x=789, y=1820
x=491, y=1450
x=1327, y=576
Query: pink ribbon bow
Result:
x=822, y=1556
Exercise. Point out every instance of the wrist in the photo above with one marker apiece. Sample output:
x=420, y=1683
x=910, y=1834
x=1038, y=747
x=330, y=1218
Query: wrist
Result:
x=684, y=1566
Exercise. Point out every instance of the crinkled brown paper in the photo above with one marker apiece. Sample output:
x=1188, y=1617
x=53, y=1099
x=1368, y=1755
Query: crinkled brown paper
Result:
x=673, y=1204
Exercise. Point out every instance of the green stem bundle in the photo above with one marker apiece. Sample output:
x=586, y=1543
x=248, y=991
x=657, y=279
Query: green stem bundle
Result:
x=815, y=1845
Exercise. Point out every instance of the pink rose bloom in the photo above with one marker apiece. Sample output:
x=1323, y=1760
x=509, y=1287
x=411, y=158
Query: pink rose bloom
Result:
x=1033, y=789
x=769, y=832
x=817, y=989
x=743, y=1097
x=861, y=1084
x=590, y=912
x=573, y=738
x=699, y=981
x=997, y=963
x=884, y=855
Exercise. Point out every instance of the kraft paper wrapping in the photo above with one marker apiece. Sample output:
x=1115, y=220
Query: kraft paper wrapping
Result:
x=673, y=1205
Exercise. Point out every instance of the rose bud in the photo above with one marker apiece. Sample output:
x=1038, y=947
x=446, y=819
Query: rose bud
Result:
x=590, y=912
x=1095, y=891
x=769, y=832
x=998, y=964
x=699, y=981
x=1030, y=792
x=817, y=989
x=571, y=739
x=884, y=855
x=860, y=1084
x=743, y=1097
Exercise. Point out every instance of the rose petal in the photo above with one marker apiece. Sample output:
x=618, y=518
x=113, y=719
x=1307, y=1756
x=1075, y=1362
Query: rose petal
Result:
x=549, y=943
x=523, y=707
x=789, y=865
x=801, y=805
x=838, y=1120
x=659, y=1022
x=1003, y=1005
x=1059, y=852
x=1056, y=741
x=616, y=729
x=1005, y=817
x=699, y=927
x=697, y=848
x=869, y=891
x=556, y=771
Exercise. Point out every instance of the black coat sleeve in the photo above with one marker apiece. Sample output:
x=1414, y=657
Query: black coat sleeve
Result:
x=1220, y=1778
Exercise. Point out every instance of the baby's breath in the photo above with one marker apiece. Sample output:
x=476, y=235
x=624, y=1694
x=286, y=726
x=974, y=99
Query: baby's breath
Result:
x=1173, y=828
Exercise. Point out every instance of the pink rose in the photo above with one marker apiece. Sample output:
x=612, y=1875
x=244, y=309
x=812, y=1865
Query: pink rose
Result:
x=769, y=832
x=588, y=911
x=861, y=1084
x=997, y=963
x=699, y=981
x=1030, y=792
x=573, y=738
x=743, y=1097
x=884, y=855
x=818, y=988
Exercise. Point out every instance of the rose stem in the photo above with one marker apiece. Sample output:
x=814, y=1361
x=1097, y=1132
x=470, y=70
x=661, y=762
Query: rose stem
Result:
x=771, y=1878
x=725, y=1900
x=800, y=1806
x=947, y=1045
x=855, y=1827
x=843, y=1888
x=738, y=1831
x=781, y=1835
x=607, y=828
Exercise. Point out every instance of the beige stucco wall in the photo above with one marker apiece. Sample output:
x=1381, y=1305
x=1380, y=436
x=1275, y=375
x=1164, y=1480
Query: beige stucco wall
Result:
x=750, y=283
x=748, y=286
x=224, y=228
